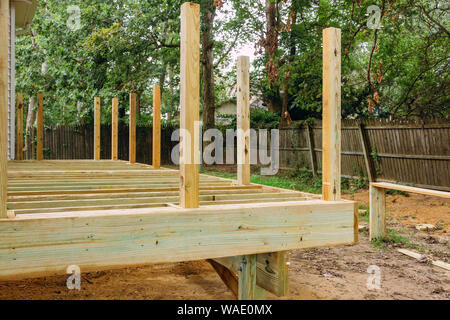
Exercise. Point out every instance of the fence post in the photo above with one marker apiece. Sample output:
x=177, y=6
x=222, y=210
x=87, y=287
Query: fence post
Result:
x=243, y=120
x=4, y=44
x=132, y=124
x=156, y=154
x=312, y=152
x=368, y=160
x=377, y=212
x=331, y=136
x=115, y=129
x=40, y=128
x=19, y=127
x=97, y=128
x=189, y=103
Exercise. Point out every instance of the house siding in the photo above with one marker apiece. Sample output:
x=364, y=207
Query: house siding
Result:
x=11, y=86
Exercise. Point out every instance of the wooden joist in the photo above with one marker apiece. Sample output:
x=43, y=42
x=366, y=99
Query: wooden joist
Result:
x=113, y=238
x=427, y=192
x=4, y=79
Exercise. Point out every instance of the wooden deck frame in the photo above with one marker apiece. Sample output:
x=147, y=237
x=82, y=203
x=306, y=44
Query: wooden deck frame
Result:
x=108, y=214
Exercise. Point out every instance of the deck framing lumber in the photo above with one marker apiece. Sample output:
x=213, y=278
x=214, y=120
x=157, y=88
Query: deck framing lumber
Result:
x=156, y=155
x=4, y=44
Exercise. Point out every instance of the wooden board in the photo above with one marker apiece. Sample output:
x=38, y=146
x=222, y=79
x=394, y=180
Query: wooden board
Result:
x=132, y=127
x=115, y=129
x=189, y=104
x=156, y=155
x=427, y=192
x=243, y=120
x=40, y=128
x=114, y=238
x=331, y=136
x=97, y=126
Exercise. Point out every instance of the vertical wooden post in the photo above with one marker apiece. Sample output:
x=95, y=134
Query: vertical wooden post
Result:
x=331, y=123
x=247, y=278
x=19, y=127
x=189, y=102
x=40, y=128
x=132, y=144
x=312, y=151
x=243, y=120
x=368, y=160
x=97, y=128
x=377, y=208
x=4, y=41
x=115, y=129
x=156, y=127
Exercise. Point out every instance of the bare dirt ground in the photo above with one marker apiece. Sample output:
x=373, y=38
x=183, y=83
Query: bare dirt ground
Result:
x=326, y=273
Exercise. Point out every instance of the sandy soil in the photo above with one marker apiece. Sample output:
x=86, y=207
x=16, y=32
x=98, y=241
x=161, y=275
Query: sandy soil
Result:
x=326, y=273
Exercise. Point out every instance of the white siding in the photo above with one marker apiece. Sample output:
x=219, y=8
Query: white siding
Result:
x=11, y=86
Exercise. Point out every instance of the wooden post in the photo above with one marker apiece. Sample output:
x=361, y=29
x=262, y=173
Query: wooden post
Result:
x=115, y=129
x=331, y=163
x=132, y=144
x=97, y=128
x=40, y=128
x=243, y=120
x=365, y=146
x=247, y=278
x=4, y=44
x=19, y=127
x=189, y=102
x=377, y=212
x=156, y=127
x=312, y=151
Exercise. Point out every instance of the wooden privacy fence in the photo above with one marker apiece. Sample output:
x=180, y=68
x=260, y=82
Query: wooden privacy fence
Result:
x=77, y=142
x=410, y=152
x=394, y=151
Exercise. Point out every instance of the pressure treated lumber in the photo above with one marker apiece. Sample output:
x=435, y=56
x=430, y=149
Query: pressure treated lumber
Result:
x=115, y=129
x=247, y=277
x=40, y=128
x=427, y=192
x=132, y=124
x=97, y=128
x=4, y=44
x=243, y=120
x=331, y=124
x=189, y=104
x=114, y=238
x=19, y=127
x=377, y=212
x=156, y=155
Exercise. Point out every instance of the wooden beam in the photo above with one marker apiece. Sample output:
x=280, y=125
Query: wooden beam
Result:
x=189, y=102
x=156, y=127
x=247, y=277
x=163, y=235
x=115, y=129
x=19, y=127
x=243, y=120
x=367, y=158
x=272, y=272
x=40, y=128
x=4, y=79
x=132, y=143
x=228, y=277
x=377, y=212
x=427, y=192
x=331, y=163
x=97, y=128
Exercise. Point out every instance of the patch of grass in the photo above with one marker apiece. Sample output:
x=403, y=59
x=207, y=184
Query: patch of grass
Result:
x=392, y=237
x=364, y=216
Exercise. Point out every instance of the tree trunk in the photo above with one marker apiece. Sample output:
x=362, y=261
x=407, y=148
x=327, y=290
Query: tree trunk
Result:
x=31, y=118
x=208, y=97
x=271, y=46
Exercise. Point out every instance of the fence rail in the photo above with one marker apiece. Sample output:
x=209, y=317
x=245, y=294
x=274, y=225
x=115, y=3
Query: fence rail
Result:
x=379, y=150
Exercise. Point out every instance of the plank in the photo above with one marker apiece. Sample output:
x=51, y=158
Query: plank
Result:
x=243, y=120
x=420, y=257
x=247, y=277
x=115, y=238
x=97, y=127
x=40, y=128
x=377, y=212
x=156, y=155
x=132, y=125
x=331, y=123
x=273, y=272
x=427, y=192
x=4, y=44
x=228, y=277
x=189, y=104
x=19, y=127
x=115, y=129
